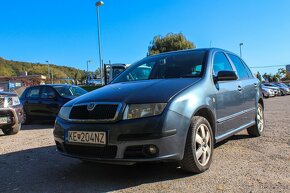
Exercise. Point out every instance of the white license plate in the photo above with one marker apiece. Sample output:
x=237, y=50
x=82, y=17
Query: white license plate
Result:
x=3, y=120
x=87, y=137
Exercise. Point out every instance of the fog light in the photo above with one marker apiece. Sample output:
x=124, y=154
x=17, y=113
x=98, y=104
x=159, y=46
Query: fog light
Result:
x=151, y=150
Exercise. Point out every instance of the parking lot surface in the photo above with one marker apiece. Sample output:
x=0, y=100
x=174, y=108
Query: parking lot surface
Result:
x=30, y=163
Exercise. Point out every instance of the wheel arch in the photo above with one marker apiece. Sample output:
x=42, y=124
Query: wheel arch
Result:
x=207, y=113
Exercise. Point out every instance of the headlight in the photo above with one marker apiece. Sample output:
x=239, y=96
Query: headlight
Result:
x=64, y=112
x=11, y=101
x=134, y=111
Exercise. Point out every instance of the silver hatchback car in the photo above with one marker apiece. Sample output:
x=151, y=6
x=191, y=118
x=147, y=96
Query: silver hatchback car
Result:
x=168, y=107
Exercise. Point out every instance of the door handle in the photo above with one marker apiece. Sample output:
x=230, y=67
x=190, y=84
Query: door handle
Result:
x=240, y=88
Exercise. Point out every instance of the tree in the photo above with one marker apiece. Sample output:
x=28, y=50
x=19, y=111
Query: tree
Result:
x=171, y=42
x=259, y=76
x=281, y=73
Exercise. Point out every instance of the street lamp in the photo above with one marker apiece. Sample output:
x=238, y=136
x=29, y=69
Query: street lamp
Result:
x=241, y=44
x=88, y=61
x=48, y=71
x=98, y=4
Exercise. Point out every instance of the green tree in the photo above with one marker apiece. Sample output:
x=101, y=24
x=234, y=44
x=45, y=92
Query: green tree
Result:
x=259, y=76
x=281, y=73
x=171, y=42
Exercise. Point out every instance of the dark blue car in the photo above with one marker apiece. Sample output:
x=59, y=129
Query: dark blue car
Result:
x=168, y=107
x=44, y=101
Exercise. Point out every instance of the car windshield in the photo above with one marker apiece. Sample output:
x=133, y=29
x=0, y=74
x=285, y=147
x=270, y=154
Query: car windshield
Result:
x=68, y=91
x=174, y=65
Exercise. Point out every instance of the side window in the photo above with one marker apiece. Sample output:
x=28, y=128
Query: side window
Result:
x=221, y=63
x=241, y=69
x=47, y=93
x=248, y=70
x=33, y=92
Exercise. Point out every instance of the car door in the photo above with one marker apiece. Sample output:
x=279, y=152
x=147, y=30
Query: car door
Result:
x=31, y=102
x=229, y=101
x=249, y=86
x=49, y=102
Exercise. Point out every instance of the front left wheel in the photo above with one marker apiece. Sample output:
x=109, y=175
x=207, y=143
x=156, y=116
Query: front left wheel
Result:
x=199, y=146
x=9, y=130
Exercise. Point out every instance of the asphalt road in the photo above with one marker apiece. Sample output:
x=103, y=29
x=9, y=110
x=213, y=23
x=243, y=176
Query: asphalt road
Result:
x=29, y=163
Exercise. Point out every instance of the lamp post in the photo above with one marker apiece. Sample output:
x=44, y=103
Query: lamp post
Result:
x=241, y=44
x=88, y=61
x=98, y=4
x=48, y=71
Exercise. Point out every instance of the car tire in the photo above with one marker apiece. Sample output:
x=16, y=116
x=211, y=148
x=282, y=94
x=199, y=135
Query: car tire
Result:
x=198, y=150
x=9, y=130
x=258, y=128
x=25, y=119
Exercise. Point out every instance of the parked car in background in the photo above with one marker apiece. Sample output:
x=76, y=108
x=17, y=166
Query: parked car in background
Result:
x=184, y=103
x=11, y=113
x=268, y=92
x=94, y=82
x=283, y=87
x=45, y=101
x=273, y=87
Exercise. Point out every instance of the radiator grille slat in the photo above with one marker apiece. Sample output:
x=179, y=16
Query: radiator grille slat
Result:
x=100, y=112
x=1, y=102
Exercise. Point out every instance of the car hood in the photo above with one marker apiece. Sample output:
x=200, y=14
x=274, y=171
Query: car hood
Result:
x=146, y=91
x=2, y=94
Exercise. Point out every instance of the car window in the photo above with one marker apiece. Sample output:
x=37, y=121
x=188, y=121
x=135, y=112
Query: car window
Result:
x=221, y=63
x=248, y=70
x=47, y=93
x=241, y=69
x=68, y=91
x=33, y=92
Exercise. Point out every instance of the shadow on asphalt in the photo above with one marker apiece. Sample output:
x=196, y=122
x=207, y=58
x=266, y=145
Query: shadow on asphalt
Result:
x=233, y=138
x=44, y=170
x=38, y=125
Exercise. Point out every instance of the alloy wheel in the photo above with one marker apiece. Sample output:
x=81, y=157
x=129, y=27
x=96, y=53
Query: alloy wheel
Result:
x=203, y=144
x=260, y=119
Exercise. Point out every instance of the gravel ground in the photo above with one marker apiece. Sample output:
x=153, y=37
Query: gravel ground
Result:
x=29, y=163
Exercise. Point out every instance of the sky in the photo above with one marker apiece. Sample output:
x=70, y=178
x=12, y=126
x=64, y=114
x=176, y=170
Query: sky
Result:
x=64, y=32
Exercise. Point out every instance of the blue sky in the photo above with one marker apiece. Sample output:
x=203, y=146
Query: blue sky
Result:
x=65, y=32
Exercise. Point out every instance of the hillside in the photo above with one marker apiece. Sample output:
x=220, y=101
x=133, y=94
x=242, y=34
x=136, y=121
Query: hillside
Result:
x=14, y=68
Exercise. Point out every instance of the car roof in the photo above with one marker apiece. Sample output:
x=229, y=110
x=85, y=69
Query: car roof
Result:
x=189, y=50
x=41, y=85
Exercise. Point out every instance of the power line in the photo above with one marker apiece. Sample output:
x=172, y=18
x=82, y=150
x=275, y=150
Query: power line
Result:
x=268, y=66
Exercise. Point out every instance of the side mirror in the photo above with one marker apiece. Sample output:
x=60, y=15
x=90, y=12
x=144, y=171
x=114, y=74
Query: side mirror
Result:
x=226, y=76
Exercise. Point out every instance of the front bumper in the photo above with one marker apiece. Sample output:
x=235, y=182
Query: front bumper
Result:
x=128, y=139
x=14, y=116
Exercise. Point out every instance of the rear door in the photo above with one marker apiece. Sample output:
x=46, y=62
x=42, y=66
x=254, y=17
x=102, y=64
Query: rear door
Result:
x=229, y=100
x=249, y=86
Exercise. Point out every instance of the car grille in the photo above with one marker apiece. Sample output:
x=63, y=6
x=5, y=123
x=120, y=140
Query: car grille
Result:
x=100, y=112
x=1, y=102
x=108, y=152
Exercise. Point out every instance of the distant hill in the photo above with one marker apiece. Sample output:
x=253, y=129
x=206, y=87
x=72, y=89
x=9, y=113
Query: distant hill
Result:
x=14, y=68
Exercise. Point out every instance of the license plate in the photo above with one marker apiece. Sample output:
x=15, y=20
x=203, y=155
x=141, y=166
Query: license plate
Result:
x=87, y=137
x=3, y=120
